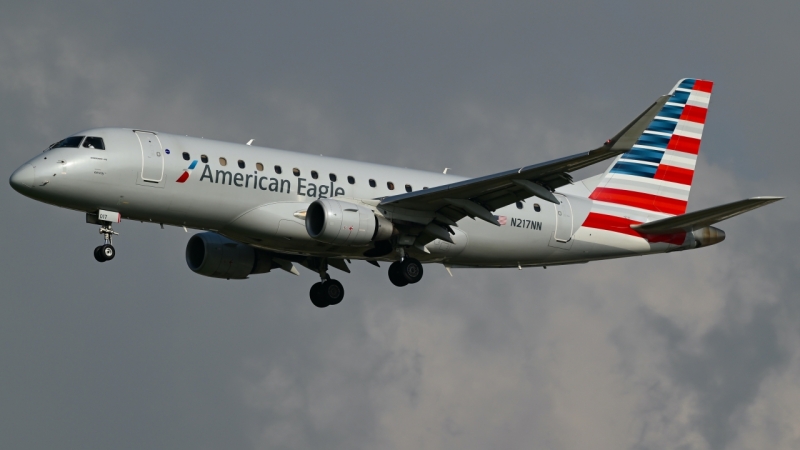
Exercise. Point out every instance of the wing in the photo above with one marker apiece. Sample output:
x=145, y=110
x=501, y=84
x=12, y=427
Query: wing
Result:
x=478, y=197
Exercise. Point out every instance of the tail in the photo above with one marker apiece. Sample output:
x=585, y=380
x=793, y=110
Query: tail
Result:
x=653, y=179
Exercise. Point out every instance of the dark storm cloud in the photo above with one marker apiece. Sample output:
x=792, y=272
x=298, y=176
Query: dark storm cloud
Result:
x=693, y=350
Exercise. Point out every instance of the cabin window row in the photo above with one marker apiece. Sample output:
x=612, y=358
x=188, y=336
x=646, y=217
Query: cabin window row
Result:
x=296, y=172
x=536, y=206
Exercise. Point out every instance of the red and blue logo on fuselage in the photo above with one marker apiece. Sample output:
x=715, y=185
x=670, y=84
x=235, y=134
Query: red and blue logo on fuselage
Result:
x=185, y=175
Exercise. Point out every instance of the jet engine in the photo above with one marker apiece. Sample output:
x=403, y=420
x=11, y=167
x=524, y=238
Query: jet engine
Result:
x=343, y=223
x=216, y=256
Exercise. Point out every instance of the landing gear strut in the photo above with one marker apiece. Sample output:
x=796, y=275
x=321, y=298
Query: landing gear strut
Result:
x=407, y=271
x=105, y=252
x=327, y=292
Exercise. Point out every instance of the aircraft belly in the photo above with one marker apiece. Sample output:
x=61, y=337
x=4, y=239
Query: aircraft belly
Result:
x=440, y=249
x=523, y=236
x=264, y=221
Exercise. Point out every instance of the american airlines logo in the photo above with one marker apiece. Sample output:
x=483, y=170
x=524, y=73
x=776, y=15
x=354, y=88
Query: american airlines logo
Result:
x=185, y=175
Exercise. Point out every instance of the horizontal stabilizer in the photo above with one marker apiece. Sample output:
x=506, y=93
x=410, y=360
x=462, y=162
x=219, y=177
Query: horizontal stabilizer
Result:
x=703, y=218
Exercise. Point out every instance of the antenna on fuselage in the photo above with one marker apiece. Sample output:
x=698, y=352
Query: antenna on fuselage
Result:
x=445, y=170
x=250, y=141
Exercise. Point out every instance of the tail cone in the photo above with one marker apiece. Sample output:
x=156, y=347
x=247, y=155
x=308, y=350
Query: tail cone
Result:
x=708, y=236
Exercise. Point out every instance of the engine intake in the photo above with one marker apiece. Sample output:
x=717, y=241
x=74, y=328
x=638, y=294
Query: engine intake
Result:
x=343, y=223
x=215, y=256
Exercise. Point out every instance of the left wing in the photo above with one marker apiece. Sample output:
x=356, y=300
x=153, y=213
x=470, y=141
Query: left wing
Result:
x=478, y=197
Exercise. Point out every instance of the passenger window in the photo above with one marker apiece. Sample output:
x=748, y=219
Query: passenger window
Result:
x=390, y=185
x=314, y=174
x=223, y=161
x=70, y=142
x=296, y=172
x=536, y=207
x=94, y=142
x=278, y=170
x=241, y=164
x=204, y=158
x=519, y=205
x=186, y=156
x=332, y=177
x=351, y=180
x=408, y=188
x=372, y=183
x=260, y=167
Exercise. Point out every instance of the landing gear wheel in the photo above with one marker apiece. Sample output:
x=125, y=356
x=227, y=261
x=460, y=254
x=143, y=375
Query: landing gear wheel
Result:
x=395, y=275
x=107, y=252
x=97, y=255
x=411, y=269
x=316, y=296
x=332, y=292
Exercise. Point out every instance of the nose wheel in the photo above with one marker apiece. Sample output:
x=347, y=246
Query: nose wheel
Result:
x=407, y=271
x=105, y=252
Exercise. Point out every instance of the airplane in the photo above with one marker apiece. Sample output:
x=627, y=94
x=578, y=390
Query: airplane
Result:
x=262, y=209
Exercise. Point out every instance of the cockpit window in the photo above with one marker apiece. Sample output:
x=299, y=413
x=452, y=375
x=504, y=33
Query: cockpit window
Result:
x=72, y=142
x=94, y=142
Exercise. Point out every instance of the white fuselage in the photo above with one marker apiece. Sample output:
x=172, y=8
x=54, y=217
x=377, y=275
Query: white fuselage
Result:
x=247, y=200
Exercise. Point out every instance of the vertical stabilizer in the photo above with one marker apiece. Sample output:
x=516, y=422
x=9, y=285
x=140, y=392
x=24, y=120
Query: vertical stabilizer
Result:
x=653, y=179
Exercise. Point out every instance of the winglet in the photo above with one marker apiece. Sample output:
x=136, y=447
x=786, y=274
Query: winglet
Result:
x=625, y=139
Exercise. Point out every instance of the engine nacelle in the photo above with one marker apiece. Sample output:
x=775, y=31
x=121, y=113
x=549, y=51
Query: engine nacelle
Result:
x=343, y=223
x=216, y=256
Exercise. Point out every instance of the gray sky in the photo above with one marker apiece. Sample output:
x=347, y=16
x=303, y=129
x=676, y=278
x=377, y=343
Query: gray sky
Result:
x=694, y=350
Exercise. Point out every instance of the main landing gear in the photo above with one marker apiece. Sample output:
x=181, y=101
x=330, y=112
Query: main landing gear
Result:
x=105, y=252
x=407, y=271
x=330, y=292
x=327, y=292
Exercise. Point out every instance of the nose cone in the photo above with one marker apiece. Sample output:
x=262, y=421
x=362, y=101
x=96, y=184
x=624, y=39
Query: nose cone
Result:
x=22, y=178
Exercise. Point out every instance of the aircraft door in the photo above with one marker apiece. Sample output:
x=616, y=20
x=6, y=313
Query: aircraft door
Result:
x=562, y=236
x=152, y=157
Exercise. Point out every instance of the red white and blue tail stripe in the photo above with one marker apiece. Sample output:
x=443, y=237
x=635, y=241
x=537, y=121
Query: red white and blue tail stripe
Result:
x=653, y=179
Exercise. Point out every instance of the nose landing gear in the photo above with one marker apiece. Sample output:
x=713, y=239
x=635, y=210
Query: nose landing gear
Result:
x=105, y=252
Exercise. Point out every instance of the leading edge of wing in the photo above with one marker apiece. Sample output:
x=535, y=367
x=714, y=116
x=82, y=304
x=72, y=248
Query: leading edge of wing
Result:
x=505, y=179
x=551, y=174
